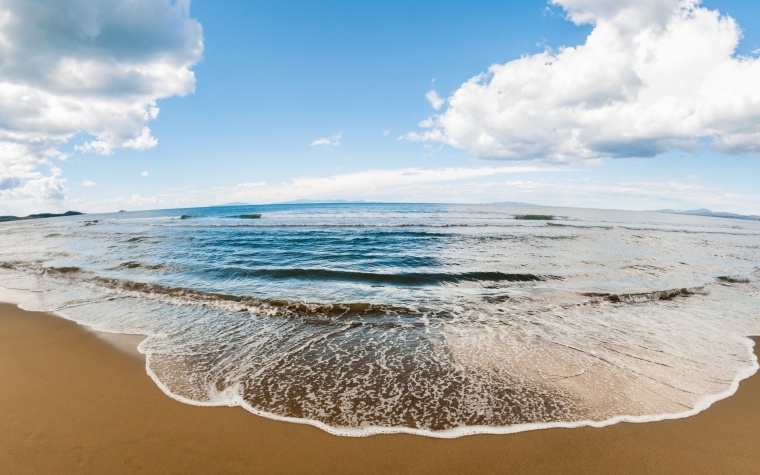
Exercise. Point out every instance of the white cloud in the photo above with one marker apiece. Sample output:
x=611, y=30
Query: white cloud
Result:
x=24, y=186
x=548, y=185
x=622, y=194
x=144, y=174
x=332, y=141
x=386, y=132
x=426, y=123
x=652, y=76
x=369, y=184
x=88, y=183
x=97, y=68
x=435, y=100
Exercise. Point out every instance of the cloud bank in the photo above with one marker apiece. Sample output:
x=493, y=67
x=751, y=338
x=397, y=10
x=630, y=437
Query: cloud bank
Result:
x=91, y=67
x=546, y=185
x=652, y=76
x=411, y=184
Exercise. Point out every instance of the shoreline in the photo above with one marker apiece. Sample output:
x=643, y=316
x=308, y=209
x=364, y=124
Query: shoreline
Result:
x=71, y=402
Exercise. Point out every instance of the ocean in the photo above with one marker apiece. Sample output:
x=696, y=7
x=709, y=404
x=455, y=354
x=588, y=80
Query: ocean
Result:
x=432, y=319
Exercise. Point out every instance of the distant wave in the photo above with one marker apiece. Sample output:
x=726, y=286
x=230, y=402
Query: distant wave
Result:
x=559, y=225
x=642, y=297
x=740, y=279
x=139, y=239
x=691, y=231
x=139, y=265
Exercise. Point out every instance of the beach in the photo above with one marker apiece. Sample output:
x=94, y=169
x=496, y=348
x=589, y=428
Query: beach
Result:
x=71, y=402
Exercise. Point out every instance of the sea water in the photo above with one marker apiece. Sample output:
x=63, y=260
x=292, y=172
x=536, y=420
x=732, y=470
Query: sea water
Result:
x=441, y=320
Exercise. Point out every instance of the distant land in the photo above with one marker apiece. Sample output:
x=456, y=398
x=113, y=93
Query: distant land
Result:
x=39, y=216
x=295, y=202
x=304, y=201
x=514, y=203
x=322, y=202
x=707, y=212
x=235, y=203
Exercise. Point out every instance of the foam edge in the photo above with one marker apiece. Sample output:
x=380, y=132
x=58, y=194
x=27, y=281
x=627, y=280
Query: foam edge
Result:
x=456, y=432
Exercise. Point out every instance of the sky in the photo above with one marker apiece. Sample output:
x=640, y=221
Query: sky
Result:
x=148, y=104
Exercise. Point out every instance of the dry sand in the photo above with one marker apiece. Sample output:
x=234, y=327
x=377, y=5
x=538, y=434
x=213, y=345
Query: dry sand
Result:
x=72, y=403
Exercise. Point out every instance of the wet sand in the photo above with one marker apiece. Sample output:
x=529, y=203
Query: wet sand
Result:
x=70, y=402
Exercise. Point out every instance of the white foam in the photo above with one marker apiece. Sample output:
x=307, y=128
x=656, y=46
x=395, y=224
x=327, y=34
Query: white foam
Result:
x=232, y=399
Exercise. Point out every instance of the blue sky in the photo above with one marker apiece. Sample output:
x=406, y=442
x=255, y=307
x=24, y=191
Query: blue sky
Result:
x=272, y=101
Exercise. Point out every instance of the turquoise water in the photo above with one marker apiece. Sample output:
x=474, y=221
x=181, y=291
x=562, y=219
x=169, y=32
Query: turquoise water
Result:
x=441, y=320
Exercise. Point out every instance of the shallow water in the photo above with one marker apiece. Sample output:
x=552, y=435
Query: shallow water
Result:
x=435, y=319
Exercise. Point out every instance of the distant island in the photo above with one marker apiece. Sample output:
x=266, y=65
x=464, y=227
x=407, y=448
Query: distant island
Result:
x=236, y=203
x=295, y=202
x=322, y=202
x=39, y=216
x=514, y=203
x=707, y=212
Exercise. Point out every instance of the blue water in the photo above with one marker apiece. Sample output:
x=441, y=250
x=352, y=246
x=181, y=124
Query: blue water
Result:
x=434, y=319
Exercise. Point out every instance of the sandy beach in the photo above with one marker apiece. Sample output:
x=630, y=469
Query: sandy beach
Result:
x=71, y=402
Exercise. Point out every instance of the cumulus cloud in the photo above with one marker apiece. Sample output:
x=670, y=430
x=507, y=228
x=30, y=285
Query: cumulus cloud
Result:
x=332, y=141
x=144, y=174
x=88, y=183
x=652, y=76
x=93, y=68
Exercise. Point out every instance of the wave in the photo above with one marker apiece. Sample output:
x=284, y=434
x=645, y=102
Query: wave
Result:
x=36, y=268
x=140, y=239
x=740, y=279
x=691, y=231
x=399, y=279
x=138, y=265
x=332, y=239
x=559, y=225
x=396, y=234
x=64, y=270
x=735, y=279
x=312, y=312
x=653, y=296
